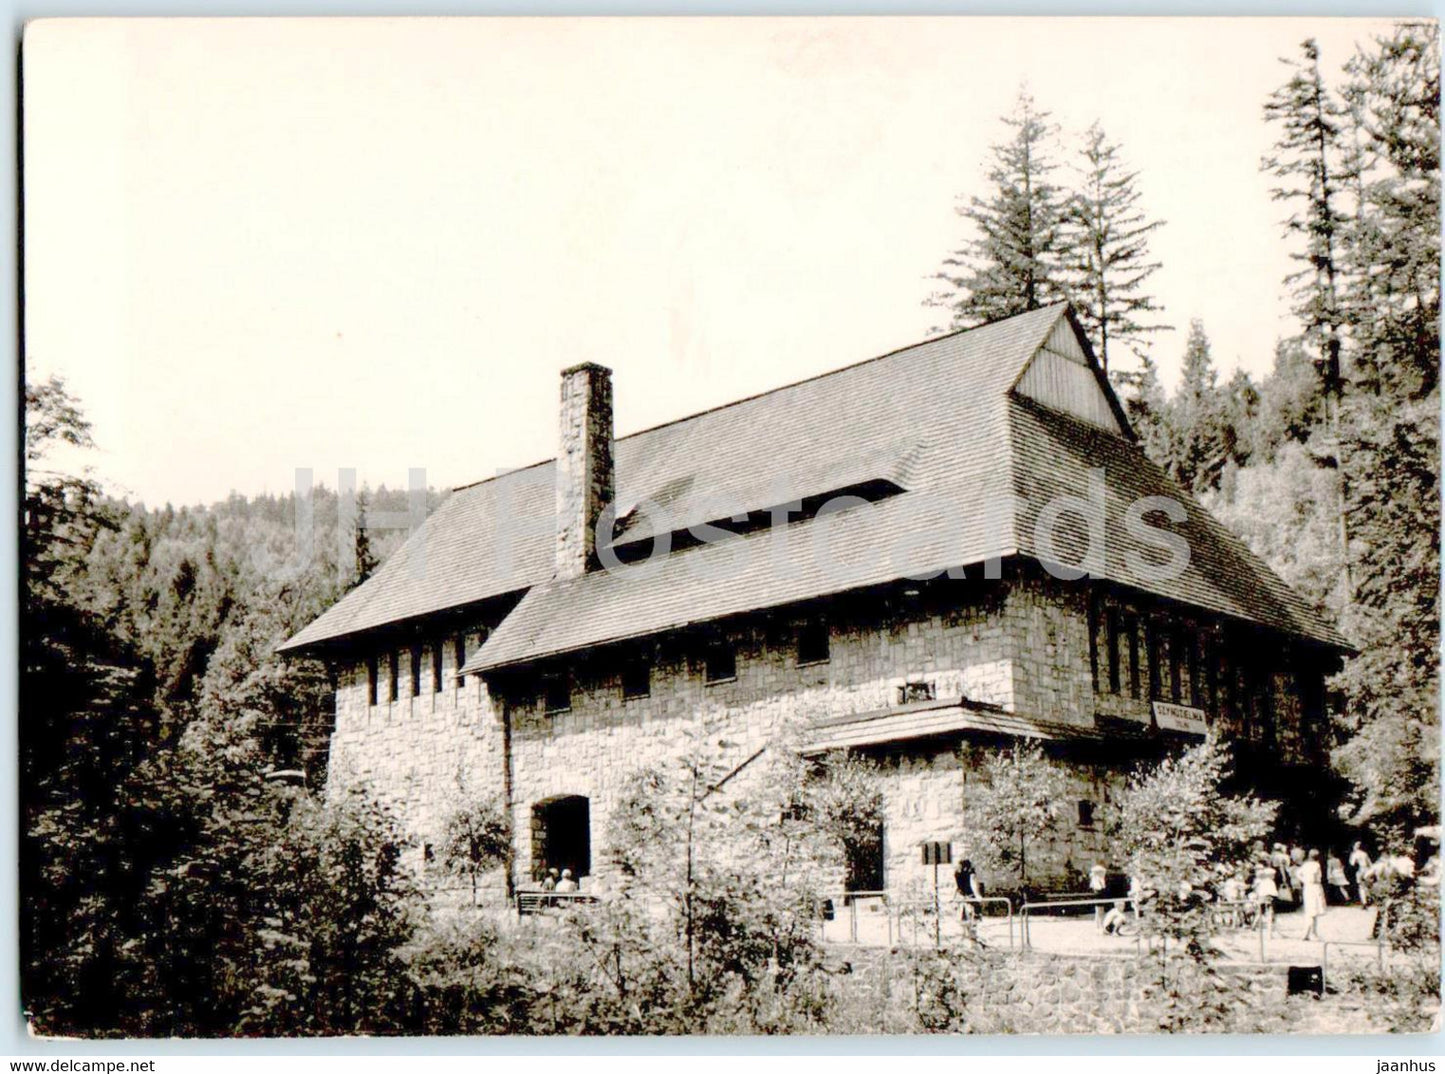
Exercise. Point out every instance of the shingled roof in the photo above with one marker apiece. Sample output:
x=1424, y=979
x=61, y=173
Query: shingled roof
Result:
x=942, y=425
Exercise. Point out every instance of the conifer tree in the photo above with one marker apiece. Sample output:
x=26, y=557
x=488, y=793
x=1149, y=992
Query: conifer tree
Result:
x=1305, y=160
x=1109, y=250
x=365, y=557
x=1204, y=442
x=1147, y=409
x=1015, y=261
x=1391, y=427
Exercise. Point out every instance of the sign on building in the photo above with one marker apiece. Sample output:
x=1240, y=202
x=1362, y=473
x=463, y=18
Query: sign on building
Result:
x=1184, y=718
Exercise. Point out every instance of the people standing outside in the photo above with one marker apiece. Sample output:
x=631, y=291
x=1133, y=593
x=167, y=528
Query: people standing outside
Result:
x=1312, y=892
x=1098, y=881
x=1265, y=892
x=1231, y=898
x=970, y=887
x=1359, y=863
x=1338, y=881
x=1279, y=862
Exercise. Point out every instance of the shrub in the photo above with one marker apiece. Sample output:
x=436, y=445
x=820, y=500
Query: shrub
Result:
x=338, y=909
x=1181, y=835
x=1020, y=802
x=476, y=837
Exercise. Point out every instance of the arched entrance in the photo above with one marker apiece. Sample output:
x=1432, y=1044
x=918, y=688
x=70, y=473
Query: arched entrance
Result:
x=562, y=835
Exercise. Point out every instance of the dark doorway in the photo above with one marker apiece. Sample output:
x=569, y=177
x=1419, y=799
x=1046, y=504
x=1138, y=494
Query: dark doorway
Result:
x=562, y=836
x=865, y=860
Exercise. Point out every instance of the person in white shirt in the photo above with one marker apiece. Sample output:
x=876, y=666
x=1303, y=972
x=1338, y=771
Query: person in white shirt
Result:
x=1266, y=891
x=1098, y=881
x=1335, y=876
x=1312, y=890
x=566, y=885
x=1359, y=862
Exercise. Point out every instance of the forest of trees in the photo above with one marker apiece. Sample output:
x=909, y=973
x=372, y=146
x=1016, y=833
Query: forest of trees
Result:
x=1328, y=466
x=169, y=888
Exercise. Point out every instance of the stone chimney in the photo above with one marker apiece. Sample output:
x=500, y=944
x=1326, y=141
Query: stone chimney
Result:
x=584, y=466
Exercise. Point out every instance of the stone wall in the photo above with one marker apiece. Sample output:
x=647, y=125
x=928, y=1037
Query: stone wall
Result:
x=1047, y=626
x=1022, y=644
x=584, y=464
x=992, y=992
x=591, y=748
x=422, y=752
x=928, y=791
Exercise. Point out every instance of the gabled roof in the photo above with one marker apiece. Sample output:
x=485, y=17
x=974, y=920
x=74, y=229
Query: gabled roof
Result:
x=946, y=425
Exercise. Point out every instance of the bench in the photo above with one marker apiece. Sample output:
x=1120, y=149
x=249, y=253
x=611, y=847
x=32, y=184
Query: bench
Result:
x=540, y=902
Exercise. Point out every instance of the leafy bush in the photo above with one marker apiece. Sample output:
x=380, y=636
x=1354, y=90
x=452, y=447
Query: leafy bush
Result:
x=476, y=837
x=1021, y=801
x=1180, y=836
x=338, y=909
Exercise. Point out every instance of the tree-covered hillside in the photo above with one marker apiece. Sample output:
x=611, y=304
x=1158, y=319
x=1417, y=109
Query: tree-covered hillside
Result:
x=1330, y=466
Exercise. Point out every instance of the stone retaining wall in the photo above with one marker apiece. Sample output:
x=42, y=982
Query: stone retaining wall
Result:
x=1031, y=992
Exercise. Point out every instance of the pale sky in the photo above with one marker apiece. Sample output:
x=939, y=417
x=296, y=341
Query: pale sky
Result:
x=258, y=245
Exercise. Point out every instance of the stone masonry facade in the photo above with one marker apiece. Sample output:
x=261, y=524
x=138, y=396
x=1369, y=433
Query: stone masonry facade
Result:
x=1027, y=644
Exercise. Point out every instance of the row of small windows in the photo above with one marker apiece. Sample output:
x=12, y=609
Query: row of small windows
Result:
x=421, y=658
x=719, y=665
x=1138, y=656
x=1171, y=660
x=425, y=664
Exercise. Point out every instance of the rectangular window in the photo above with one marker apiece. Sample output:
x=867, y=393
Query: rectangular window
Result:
x=636, y=678
x=1176, y=666
x=813, y=643
x=436, y=667
x=1111, y=630
x=557, y=693
x=393, y=686
x=720, y=663
x=416, y=671
x=1244, y=701
x=1224, y=687
x=371, y=676
x=1151, y=645
x=459, y=650
x=1093, y=644
x=1196, y=684
x=1267, y=713
x=1214, y=662
x=1086, y=814
x=1132, y=626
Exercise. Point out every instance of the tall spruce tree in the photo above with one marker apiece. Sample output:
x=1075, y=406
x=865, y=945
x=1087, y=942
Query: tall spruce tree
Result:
x=1391, y=427
x=1204, y=440
x=1306, y=161
x=365, y=557
x=1394, y=92
x=1309, y=162
x=1147, y=409
x=1108, y=250
x=1016, y=260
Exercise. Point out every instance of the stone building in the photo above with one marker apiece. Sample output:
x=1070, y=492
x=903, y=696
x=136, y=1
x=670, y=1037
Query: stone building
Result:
x=919, y=557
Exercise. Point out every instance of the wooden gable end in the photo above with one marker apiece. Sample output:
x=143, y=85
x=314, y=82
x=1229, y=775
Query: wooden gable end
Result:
x=1062, y=377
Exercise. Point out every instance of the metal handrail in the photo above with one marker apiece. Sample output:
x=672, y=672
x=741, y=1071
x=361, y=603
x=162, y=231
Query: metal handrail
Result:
x=927, y=905
x=551, y=900
x=1325, y=945
x=1008, y=905
x=852, y=897
x=896, y=907
x=1026, y=935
